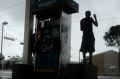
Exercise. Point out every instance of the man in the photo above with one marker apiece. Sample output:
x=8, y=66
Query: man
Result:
x=36, y=39
x=88, y=39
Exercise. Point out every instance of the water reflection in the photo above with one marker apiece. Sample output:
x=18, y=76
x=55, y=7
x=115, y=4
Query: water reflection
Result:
x=5, y=74
x=108, y=77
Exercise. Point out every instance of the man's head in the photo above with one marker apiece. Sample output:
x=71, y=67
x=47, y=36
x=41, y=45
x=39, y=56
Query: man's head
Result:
x=88, y=13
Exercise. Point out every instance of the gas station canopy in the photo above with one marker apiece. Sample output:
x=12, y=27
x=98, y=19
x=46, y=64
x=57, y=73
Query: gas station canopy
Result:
x=68, y=6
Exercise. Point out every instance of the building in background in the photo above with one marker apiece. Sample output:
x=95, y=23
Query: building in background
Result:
x=107, y=62
x=8, y=63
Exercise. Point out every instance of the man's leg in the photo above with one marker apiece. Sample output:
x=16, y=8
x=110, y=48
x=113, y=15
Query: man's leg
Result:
x=84, y=57
x=90, y=58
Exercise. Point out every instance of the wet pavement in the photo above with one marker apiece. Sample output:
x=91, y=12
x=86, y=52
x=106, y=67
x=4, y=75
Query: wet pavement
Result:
x=108, y=77
x=5, y=74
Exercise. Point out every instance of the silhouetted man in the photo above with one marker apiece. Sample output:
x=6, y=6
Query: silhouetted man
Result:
x=88, y=39
x=36, y=39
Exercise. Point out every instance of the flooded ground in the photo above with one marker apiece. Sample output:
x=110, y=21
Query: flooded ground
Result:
x=7, y=74
x=108, y=77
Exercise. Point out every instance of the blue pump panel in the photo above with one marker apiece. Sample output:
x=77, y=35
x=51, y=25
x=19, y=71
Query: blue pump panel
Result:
x=47, y=61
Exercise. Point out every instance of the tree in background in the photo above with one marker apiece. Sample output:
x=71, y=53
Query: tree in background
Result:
x=8, y=66
x=112, y=38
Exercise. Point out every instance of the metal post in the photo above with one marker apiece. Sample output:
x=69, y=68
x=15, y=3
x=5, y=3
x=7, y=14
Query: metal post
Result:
x=79, y=57
x=28, y=30
x=4, y=23
x=2, y=40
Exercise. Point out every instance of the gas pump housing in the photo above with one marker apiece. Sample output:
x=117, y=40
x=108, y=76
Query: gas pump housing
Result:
x=55, y=17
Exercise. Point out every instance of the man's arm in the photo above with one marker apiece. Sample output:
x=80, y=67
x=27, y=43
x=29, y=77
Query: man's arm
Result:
x=95, y=22
x=81, y=25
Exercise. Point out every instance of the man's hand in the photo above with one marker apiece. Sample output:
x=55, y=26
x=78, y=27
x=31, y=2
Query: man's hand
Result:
x=94, y=15
x=95, y=22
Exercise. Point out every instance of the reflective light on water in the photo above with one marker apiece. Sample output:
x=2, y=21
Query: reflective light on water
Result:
x=5, y=74
x=108, y=77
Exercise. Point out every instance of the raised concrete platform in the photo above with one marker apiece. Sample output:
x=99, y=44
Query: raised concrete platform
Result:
x=73, y=71
x=22, y=71
x=81, y=71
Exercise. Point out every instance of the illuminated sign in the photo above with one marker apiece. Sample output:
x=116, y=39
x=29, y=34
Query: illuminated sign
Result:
x=44, y=3
x=47, y=3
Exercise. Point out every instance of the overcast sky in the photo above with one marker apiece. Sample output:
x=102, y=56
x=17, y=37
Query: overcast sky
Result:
x=13, y=12
x=108, y=14
x=107, y=11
